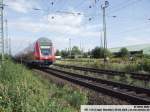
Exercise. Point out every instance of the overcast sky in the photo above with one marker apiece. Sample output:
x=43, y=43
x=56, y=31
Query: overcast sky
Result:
x=127, y=22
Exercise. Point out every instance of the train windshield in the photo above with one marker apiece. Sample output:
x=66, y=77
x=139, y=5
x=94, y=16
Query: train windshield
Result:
x=45, y=51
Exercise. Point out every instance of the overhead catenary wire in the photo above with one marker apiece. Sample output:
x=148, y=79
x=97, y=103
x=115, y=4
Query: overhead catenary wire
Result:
x=71, y=13
x=76, y=14
x=134, y=29
x=124, y=5
x=67, y=33
x=80, y=4
x=121, y=6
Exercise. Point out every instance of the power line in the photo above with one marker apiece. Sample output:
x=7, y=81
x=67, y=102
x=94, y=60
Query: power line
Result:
x=70, y=13
x=119, y=7
x=80, y=4
x=133, y=29
x=125, y=5
x=63, y=4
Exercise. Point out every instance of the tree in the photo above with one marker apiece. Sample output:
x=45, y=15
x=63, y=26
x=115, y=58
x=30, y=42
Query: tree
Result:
x=124, y=52
x=75, y=51
x=64, y=53
x=98, y=52
x=58, y=53
x=85, y=54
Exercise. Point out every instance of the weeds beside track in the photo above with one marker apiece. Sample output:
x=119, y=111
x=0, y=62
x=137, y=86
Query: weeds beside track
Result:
x=131, y=94
x=139, y=76
x=22, y=90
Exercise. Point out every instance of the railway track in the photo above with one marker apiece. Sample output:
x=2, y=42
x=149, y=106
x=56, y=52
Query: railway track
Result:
x=140, y=76
x=131, y=94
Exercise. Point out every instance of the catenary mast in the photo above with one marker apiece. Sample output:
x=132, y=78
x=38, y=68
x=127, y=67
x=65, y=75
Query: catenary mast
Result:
x=1, y=31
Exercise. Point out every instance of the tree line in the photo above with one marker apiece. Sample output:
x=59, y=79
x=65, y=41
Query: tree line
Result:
x=97, y=52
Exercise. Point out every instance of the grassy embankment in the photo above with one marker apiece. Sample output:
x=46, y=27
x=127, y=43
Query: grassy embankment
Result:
x=21, y=91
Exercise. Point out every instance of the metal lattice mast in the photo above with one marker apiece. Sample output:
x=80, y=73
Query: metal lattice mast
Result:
x=1, y=30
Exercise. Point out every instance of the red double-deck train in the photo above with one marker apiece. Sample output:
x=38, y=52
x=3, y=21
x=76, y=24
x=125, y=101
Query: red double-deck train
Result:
x=41, y=53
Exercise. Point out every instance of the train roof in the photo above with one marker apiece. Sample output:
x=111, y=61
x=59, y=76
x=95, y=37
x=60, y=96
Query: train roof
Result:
x=44, y=41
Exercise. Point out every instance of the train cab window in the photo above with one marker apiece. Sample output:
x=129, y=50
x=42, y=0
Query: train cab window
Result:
x=45, y=51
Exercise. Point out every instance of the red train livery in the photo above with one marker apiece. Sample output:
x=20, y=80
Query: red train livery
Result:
x=41, y=53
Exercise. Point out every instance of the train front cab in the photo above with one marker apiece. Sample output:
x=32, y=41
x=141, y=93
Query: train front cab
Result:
x=44, y=54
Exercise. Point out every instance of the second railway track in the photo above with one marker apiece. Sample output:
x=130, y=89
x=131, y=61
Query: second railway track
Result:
x=131, y=94
x=139, y=76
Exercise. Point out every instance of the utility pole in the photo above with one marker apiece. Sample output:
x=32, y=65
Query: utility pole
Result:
x=81, y=49
x=101, y=44
x=6, y=37
x=101, y=39
x=104, y=6
x=1, y=31
x=70, y=46
x=9, y=46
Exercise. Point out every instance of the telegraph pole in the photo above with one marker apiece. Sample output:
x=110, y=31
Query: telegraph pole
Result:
x=104, y=6
x=101, y=39
x=2, y=30
x=9, y=46
x=6, y=44
x=101, y=44
x=70, y=46
x=81, y=49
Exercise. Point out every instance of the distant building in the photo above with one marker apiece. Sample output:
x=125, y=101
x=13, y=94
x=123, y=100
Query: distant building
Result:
x=134, y=49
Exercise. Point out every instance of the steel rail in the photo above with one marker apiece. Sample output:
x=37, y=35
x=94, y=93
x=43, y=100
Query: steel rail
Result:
x=131, y=94
x=139, y=76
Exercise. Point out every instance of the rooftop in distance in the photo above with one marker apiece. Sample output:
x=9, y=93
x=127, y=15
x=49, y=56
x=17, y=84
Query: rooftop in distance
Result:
x=144, y=47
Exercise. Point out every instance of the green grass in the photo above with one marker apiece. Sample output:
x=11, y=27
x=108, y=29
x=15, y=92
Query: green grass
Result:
x=21, y=91
x=140, y=65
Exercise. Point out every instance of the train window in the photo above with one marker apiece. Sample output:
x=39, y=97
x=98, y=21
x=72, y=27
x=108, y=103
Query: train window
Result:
x=45, y=51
